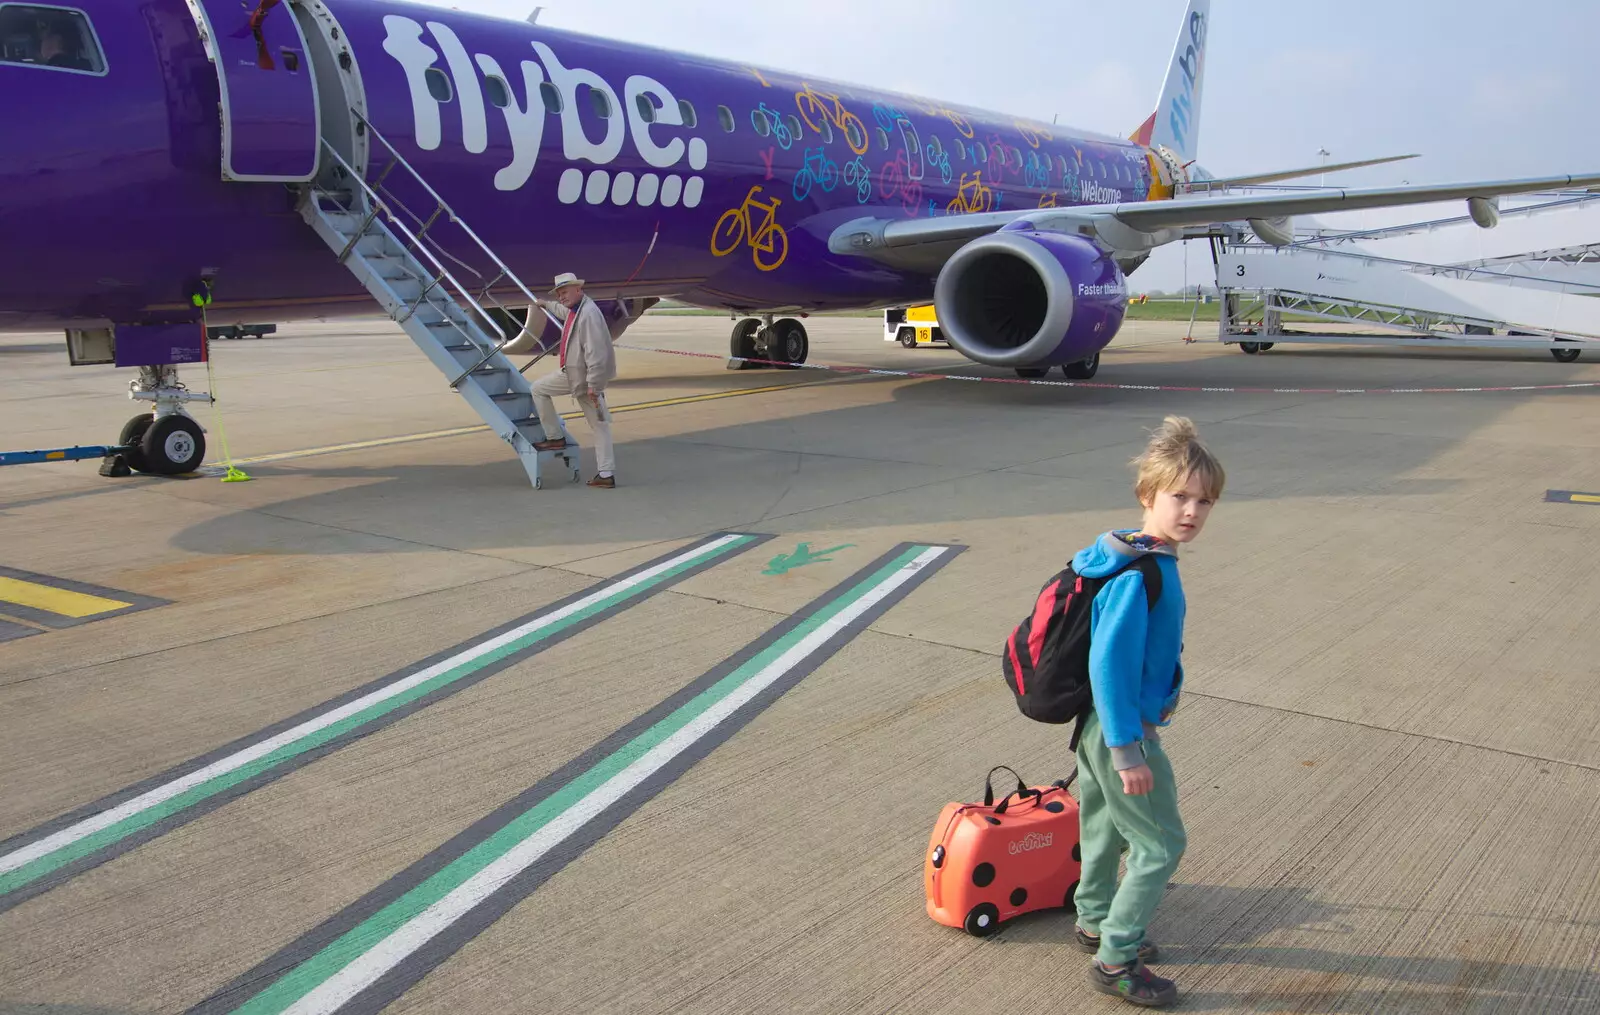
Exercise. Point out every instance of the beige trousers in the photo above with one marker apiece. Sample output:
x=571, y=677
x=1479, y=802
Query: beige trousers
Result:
x=598, y=415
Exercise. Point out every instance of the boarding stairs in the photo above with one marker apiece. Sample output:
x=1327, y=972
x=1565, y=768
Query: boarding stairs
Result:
x=462, y=330
x=1342, y=278
x=1550, y=241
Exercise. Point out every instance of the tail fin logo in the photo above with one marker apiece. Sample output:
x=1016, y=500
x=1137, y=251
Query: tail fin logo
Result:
x=1182, y=111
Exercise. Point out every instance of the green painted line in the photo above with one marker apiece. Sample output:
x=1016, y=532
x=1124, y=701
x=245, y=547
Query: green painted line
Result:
x=169, y=799
x=353, y=961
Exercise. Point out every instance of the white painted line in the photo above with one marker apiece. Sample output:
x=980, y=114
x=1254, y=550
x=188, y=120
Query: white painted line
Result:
x=372, y=964
x=159, y=795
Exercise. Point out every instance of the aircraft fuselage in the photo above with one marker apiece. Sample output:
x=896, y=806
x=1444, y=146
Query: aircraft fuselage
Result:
x=708, y=181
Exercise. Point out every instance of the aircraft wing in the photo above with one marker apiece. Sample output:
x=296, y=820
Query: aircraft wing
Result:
x=1137, y=227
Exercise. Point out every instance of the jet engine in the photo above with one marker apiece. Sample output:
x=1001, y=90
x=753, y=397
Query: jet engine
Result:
x=1025, y=298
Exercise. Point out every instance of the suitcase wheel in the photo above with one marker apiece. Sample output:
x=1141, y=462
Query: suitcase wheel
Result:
x=1072, y=894
x=983, y=920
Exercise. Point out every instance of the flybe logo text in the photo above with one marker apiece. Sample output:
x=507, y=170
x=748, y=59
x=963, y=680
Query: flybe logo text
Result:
x=525, y=120
x=1191, y=62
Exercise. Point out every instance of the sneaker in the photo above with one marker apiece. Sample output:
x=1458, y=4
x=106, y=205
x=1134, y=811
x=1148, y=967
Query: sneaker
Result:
x=1090, y=943
x=551, y=445
x=1135, y=984
x=603, y=482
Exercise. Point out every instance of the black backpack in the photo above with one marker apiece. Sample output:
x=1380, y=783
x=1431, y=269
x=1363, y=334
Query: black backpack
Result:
x=1046, y=660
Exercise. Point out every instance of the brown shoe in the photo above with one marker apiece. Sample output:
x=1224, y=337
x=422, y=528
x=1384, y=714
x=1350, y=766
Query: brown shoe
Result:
x=603, y=482
x=555, y=445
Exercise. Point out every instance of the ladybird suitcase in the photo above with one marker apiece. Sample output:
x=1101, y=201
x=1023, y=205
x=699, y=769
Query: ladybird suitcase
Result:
x=990, y=862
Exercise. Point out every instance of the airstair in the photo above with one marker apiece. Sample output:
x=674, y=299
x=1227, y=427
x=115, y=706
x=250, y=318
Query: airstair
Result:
x=1507, y=296
x=1550, y=242
x=362, y=223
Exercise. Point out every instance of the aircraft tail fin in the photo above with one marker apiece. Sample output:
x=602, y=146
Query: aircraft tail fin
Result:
x=1176, y=122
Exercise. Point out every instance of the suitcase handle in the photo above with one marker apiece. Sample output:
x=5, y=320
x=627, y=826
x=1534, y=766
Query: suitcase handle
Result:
x=988, y=786
x=1021, y=795
x=1061, y=784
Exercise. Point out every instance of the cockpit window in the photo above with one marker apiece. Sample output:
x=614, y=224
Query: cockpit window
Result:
x=44, y=36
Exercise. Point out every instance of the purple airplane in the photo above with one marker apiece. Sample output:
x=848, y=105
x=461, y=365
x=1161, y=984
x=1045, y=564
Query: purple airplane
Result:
x=177, y=163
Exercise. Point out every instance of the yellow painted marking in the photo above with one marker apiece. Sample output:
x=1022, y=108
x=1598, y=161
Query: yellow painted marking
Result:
x=458, y=431
x=53, y=600
x=56, y=454
x=1586, y=498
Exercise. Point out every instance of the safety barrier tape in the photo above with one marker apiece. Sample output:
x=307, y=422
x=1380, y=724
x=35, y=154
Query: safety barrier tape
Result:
x=841, y=368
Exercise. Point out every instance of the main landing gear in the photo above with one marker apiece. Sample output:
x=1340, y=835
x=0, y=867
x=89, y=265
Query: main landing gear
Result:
x=783, y=340
x=1082, y=370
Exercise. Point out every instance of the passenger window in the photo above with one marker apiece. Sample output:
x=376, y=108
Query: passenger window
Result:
x=647, y=109
x=439, y=85
x=827, y=131
x=602, y=104
x=855, y=134
x=686, y=110
x=883, y=139
x=759, y=121
x=49, y=37
x=551, y=96
x=725, y=117
x=499, y=97
x=794, y=127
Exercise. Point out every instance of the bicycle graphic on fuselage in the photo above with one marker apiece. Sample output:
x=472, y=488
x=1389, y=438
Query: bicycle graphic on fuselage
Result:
x=769, y=244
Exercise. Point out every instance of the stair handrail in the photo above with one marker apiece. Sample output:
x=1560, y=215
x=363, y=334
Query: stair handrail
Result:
x=533, y=301
x=379, y=203
x=487, y=292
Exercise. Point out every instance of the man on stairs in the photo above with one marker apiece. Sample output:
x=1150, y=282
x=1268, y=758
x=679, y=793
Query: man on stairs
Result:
x=588, y=364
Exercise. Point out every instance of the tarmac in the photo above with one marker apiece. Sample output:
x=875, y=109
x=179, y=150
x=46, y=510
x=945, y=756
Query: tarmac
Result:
x=679, y=746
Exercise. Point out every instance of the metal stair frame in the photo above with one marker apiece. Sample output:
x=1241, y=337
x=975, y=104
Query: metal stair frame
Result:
x=445, y=320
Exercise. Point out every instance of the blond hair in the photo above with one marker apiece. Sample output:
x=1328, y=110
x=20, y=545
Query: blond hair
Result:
x=1172, y=456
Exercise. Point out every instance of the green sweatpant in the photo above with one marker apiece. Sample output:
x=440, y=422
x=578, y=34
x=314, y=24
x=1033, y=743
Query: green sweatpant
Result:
x=1109, y=817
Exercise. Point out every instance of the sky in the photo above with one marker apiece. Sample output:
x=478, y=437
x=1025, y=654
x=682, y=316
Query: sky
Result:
x=1480, y=90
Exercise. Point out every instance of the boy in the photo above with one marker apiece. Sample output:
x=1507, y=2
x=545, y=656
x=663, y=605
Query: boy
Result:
x=1129, y=798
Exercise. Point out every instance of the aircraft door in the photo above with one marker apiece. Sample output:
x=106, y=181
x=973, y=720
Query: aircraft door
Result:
x=271, y=124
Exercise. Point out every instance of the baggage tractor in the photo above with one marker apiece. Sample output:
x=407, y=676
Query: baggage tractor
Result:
x=989, y=862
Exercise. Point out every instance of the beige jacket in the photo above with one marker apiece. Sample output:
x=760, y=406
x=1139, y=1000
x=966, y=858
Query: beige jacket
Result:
x=591, y=361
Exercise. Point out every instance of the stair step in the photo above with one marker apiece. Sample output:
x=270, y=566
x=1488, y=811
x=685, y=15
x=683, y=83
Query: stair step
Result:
x=430, y=314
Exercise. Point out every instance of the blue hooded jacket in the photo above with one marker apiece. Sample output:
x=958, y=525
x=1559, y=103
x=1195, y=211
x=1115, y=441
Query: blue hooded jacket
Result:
x=1135, y=666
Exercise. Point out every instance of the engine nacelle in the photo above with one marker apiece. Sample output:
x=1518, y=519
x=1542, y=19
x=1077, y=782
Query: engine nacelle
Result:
x=1279, y=232
x=1023, y=298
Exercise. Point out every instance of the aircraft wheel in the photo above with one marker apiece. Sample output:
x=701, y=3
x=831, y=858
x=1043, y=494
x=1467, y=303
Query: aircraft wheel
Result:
x=1267, y=345
x=1083, y=369
x=1250, y=348
x=908, y=337
x=1032, y=372
x=132, y=434
x=1565, y=355
x=742, y=344
x=173, y=445
x=743, y=340
x=790, y=342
